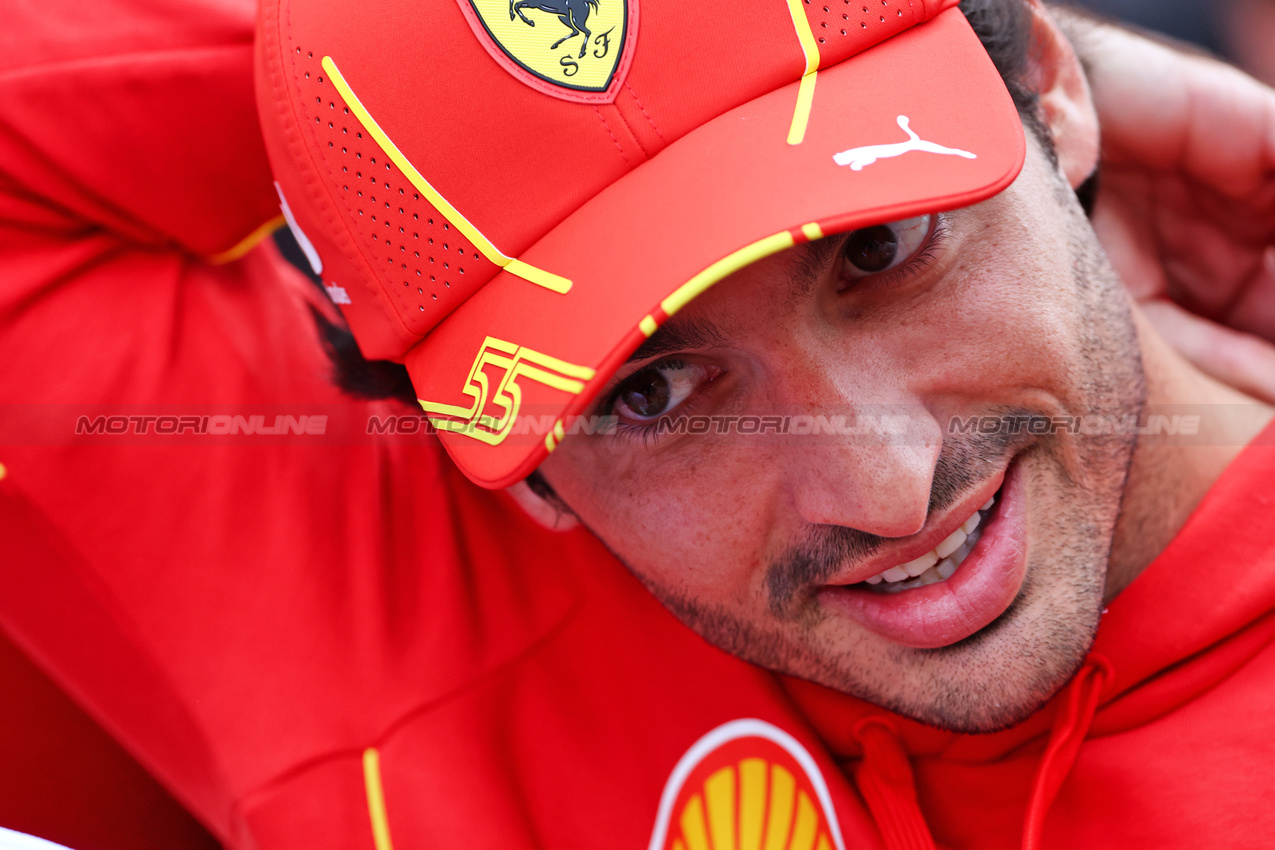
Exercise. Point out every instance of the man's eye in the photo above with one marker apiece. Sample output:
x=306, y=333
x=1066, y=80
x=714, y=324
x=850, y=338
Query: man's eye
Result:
x=657, y=389
x=874, y=250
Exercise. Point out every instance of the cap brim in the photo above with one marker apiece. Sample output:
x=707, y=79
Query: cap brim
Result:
x=506, y=373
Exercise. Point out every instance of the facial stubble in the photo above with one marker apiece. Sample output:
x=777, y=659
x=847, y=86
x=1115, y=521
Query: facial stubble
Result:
x=1004, y=672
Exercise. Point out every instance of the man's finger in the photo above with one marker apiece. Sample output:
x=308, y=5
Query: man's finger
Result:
x=1206, y=119
x=1238, y=359
x=1254, y=312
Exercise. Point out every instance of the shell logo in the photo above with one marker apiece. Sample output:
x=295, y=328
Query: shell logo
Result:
x=746, y=785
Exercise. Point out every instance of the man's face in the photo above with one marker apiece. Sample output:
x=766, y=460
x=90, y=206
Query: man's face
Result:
x=770, y=545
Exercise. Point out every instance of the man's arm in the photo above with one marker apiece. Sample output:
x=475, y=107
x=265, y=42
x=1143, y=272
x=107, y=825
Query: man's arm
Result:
x=192, y=593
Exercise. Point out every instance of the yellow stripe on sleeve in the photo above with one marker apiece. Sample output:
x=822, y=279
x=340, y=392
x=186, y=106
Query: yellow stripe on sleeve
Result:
x=376, y=799
x=246, y=244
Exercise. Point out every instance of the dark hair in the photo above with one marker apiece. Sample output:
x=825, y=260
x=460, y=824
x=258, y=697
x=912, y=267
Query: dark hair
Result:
x=356, y=375
x=1003, y=27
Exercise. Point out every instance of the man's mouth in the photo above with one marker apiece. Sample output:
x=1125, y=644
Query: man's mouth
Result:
x=939, y=563
x=958, y=587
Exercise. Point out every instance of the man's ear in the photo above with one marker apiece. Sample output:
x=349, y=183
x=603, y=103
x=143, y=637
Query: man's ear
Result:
x=542, y=510
x=1065, y=100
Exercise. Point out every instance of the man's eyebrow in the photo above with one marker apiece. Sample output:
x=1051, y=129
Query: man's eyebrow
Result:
x=679, y=335
x=812, y=261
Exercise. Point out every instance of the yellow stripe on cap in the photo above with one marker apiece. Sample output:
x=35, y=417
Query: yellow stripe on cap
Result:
x=376, y=799
x=540, y=277
x=801, y=115
x=806, y=91
x=812, y=231
x=548, y=280
x=724, y=267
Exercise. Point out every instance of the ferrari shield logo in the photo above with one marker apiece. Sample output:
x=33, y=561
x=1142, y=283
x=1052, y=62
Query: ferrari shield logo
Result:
x=571, y=49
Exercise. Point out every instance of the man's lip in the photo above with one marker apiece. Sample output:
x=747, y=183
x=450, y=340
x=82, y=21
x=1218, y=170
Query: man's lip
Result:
x=982, y=588
x=936, y=531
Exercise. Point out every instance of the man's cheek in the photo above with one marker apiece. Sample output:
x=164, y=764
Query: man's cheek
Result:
x=709, y=534
x=1012, y=323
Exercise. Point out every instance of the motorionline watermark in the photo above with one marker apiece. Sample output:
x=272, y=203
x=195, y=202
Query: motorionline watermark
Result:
x=1088, y=425
x=380, y=422
x=216, y=425
x=517, y=426
x=800, y=425
x=746, y=425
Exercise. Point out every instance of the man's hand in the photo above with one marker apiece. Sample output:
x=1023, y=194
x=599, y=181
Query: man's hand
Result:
x=1186, y=205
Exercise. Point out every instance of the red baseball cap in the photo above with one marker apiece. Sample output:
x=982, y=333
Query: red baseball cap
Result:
x=510, y=196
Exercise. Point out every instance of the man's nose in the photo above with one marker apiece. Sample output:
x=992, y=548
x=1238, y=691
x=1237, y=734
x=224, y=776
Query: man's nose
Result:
x=865, y=466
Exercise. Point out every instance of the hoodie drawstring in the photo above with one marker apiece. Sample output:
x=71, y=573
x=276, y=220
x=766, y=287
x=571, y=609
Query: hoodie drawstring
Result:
x=884, y=776
x=1071, y=724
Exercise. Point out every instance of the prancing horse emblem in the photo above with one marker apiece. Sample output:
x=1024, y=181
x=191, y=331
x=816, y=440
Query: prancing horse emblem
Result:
x=573, y=13
x=585, y=63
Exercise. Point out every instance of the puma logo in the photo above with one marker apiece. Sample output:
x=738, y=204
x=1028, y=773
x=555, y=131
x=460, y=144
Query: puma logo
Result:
x=860, y=158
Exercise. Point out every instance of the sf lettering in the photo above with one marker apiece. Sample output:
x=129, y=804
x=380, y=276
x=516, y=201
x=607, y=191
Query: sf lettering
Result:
x=571, y=67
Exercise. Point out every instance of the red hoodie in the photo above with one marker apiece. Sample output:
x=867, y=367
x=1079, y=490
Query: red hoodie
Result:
x=316, y=637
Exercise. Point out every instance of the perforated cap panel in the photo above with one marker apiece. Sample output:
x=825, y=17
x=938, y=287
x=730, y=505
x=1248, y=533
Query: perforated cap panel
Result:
x=844, y=28
x=424, y=265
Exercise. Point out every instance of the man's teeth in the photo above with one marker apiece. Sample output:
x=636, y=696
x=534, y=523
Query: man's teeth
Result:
x=940, y=562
